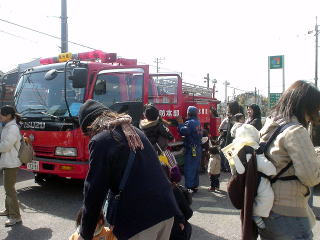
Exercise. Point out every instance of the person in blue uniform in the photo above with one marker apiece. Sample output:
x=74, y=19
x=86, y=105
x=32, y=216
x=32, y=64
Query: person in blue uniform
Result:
x=192, y=132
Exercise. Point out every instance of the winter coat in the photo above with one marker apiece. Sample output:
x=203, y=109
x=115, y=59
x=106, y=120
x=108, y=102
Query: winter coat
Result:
x=191, y=129
x=147, y=198
x=10, y=145
x=256, y=122
x=214, y=166
x=225, y=127
x=234, y=129
x=293, y=144
x=156, y=132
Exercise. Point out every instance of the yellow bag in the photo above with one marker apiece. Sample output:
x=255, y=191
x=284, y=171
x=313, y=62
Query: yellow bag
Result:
x=164, y=159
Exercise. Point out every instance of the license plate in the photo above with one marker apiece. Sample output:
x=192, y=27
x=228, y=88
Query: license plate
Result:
x=34, y=165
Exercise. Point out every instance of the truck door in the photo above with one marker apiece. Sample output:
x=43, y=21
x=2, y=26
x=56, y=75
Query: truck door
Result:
x=122, y=90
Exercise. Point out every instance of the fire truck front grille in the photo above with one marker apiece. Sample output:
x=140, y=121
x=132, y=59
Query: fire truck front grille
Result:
x=46, y=150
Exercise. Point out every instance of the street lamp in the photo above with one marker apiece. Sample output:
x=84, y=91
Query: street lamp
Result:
x=226, y=83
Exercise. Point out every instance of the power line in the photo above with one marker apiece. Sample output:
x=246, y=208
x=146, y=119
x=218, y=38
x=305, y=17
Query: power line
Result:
x=17, y=36
x=43, y=33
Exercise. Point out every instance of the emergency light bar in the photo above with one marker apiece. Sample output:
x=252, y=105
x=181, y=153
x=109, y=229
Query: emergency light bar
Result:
x=88, y=56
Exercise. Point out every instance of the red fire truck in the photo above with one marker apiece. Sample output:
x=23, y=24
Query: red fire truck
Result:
x=49, y=98
x=172, y=97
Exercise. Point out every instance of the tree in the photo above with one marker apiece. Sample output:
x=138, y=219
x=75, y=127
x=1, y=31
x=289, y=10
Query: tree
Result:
x=248, y=98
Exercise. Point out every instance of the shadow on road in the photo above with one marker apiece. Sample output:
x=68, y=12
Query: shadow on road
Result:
x=23, y=232
x=62, y=198
x=199, y=233
x=213, y=202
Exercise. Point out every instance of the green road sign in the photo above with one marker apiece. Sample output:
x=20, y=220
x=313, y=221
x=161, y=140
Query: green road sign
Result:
x=275, y=62
x=274, y=98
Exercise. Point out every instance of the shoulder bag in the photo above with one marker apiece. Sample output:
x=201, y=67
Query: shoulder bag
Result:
x=114, y=199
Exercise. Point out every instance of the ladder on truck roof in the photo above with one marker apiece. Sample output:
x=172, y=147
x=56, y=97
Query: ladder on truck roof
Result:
x=196, y=90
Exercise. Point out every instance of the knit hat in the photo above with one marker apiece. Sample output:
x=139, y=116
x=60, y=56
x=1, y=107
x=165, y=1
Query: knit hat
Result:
x=151, y=113
x=192, y=111
x=89, y=111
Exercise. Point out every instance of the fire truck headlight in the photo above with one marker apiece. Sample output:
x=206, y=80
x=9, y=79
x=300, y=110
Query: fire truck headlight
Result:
x=68, y=152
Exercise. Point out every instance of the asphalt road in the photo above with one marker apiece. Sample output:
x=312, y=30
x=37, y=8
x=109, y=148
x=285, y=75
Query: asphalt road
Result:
x=48, y=212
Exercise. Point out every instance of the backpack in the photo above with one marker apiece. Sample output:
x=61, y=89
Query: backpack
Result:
x=25, y=153
x=236, y=183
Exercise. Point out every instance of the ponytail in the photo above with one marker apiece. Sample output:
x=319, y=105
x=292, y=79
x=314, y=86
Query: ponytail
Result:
x=18, y=117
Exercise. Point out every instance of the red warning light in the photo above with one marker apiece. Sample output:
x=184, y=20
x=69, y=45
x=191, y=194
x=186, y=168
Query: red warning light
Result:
x=46, y=61
x=125, y=61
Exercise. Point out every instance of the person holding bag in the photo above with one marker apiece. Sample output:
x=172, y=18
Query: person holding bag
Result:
x=154, y=127
x=121, y=157
x=291, y=217
x=10, y=163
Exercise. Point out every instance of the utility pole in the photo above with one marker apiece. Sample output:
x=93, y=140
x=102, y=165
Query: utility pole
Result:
x=226, y=84
x=64, y=26
x=214, y=81
x=207, y=80
x=316, y=62
x=158, y=61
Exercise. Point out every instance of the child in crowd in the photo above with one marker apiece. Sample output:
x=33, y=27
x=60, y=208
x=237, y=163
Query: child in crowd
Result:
x=214, y=168
x=205, y=144
x=101, y=232
x=248, y=135
x=239, y=118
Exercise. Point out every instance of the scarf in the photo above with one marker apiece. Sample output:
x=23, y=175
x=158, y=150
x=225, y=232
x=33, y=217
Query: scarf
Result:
x=109, y=121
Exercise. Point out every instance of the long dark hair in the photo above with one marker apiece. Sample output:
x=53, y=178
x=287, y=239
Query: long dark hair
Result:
x=234, y=108
x=256, y=111
x=10, y=110
x=300, y=99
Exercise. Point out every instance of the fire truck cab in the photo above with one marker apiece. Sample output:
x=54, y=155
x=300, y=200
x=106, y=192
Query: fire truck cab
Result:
x=49, y=98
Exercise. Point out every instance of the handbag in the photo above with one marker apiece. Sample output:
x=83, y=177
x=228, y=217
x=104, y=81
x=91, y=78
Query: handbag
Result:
x=25, y=153
x=113, y=199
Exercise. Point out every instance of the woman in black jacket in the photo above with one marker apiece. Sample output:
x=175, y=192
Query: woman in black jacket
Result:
x=254, y=114
x=147, y=199
x=154, y=128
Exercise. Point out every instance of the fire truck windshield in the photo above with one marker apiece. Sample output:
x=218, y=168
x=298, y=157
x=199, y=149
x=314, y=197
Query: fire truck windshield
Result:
x=163, y=89
x=35, y=96
x=118, y=86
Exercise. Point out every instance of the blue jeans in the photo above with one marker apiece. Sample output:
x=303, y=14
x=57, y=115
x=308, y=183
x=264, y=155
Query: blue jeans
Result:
x=279, y=227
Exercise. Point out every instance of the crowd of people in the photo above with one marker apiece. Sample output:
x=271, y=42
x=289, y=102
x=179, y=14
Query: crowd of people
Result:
x=140, y=196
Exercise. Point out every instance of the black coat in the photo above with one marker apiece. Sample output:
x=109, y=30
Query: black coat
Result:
x=256, y=122
x=156, y=132
x=147, y=198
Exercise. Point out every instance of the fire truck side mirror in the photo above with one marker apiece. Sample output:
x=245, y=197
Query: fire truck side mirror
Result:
x=79, y=77
x=51, y=74
x=100, y=88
